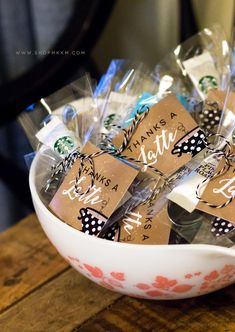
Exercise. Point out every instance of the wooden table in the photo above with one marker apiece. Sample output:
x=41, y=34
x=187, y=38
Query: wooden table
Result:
x=39, y=292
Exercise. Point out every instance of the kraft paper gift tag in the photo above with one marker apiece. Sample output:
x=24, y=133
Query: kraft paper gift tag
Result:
x=166, y=139
x=143, y=226
x=218, y=191
x=89, y=212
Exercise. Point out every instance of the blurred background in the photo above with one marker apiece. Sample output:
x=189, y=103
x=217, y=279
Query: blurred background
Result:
x=48, y=43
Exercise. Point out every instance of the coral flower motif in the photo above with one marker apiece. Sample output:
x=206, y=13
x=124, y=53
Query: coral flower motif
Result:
x=164, y=283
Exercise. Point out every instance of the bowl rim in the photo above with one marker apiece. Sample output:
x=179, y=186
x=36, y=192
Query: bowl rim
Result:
x=61, y=224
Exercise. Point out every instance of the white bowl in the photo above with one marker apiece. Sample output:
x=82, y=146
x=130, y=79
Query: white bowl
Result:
x=146, y=271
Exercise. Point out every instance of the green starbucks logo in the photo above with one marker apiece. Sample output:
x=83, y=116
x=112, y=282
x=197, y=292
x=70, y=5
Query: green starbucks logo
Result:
x=208, y=82
x=64, y=145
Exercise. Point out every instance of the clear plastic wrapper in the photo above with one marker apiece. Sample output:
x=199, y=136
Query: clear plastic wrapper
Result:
x=196, y=227
x=128, y=85
x=74, y=105
x=201, y=63
x=205, y=59
x=47, y=184
x=170, y=79
x=125, y=77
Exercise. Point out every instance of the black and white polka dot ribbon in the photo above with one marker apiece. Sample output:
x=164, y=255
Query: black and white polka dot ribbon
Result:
x=221, y=227
x=226, y=154
x=210, y=116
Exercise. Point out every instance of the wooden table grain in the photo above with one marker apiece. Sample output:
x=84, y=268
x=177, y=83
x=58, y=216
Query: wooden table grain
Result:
x=39, y=292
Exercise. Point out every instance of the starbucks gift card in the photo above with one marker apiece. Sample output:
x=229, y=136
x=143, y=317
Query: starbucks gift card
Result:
x=89, y=211
x=166, y=139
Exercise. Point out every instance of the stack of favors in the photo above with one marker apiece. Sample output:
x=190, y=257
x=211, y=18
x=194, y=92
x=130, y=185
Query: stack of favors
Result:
x=143, y=156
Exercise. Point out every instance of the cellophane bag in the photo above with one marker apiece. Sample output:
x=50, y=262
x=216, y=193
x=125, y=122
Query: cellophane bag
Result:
x=60, y=124
x=128, y=84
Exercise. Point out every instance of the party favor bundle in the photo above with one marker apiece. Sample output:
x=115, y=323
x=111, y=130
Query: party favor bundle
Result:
x=143, y=157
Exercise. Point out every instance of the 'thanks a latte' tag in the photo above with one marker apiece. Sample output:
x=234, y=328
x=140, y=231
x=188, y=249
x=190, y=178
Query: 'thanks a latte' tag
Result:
x=143, y=226
x=166, y=139
x=218, y=191
x=89, y=212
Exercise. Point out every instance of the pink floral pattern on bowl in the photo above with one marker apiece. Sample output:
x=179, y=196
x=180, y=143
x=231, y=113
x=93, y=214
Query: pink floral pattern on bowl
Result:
x=222, y=278
x=113, y=281
x=161, y=287
x=164, y=287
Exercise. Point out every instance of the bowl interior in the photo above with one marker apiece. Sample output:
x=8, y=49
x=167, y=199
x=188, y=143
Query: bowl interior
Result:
x=36, y=176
